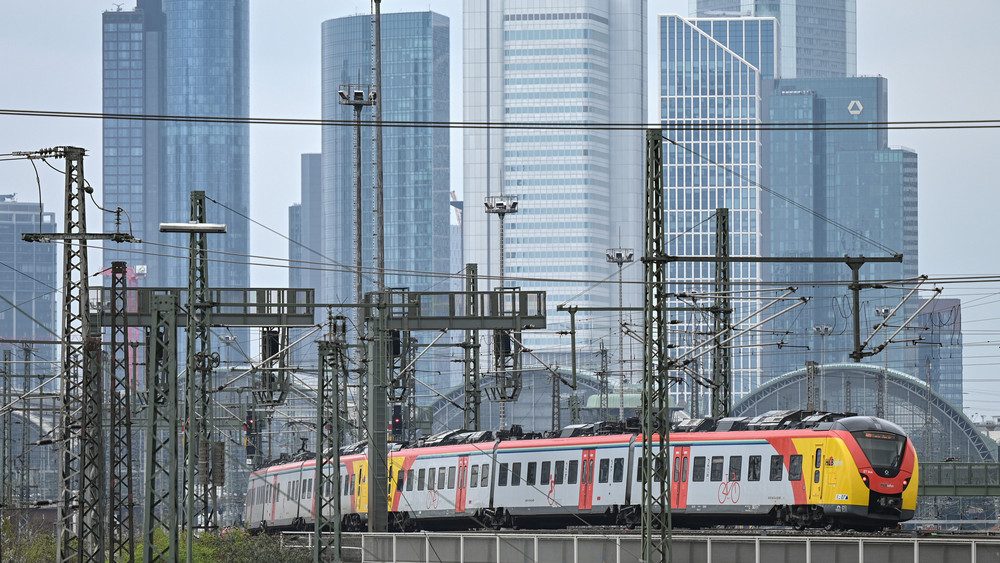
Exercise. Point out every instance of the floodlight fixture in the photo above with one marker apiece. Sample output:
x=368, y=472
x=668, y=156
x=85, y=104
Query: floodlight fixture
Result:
x=192, y=228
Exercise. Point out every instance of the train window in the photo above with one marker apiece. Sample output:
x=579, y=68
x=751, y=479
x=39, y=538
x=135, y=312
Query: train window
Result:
x=603, y=471
x=735, y=468
x=277, y=493
x=502, y=477
x=431, y=478
x=658, y=471
x=717, y=467
x=546, y=474
x=346, y=480
x=409, y=479
x=574, y=466
x=515, y=474
x=795, y=468
x=420, y=480
x=557, y=477
x=753, y=469
x=529, y=478
x=474, y=480
x=484, y=476
x=638, y=470
x=777, y=467
x=400, y=480
x=677, y=469
x=698, y=469
x=441, y=475
x=311, y=483
x=353, y=483
x=451, y=477
x=819, y=457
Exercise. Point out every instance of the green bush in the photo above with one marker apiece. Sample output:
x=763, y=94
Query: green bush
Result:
x=30, y=544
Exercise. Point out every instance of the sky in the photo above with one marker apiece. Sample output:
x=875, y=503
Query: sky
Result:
x=938, y=57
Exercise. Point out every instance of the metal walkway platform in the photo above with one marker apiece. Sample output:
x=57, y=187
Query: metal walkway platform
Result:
x=475, y=547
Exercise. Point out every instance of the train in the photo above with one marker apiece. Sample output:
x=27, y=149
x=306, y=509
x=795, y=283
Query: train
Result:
x=799, y=469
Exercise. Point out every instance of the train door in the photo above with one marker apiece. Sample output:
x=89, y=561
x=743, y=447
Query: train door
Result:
x=463, y=468
x=274, y=498
x=679, y=477
x=587, y=479
x=816, y=482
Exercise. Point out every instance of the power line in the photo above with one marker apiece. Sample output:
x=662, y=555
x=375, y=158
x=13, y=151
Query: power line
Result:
x=679, y=125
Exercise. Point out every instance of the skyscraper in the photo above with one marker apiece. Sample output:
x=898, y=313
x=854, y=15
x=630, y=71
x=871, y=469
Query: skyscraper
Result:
x=579, y=186
x=836, y=192
x=305, y=243
x=185, y=59
x=28, y=278
x=802, y=191
x=710, y=89
x=415, y=70
x=939, y=352
x=818, y=37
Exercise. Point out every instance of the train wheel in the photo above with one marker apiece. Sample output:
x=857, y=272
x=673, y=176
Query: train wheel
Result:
x=495, y=520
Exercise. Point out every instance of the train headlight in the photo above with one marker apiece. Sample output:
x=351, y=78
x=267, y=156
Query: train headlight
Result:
x=906, y=482
x=865, y=479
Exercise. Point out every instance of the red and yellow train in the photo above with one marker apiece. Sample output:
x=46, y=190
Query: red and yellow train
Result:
x=782, y=468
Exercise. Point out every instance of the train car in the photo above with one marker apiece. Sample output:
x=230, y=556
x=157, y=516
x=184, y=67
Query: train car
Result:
x=852, y=472
x=782, y=468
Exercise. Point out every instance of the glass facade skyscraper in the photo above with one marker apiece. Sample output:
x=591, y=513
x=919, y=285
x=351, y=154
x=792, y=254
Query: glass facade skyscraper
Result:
x=818, y=38
x=853, y=195
x=28, y=279
x=581, y=63
x=415, y=74
x=179, y=58
x=305, y=247
x=710, y=101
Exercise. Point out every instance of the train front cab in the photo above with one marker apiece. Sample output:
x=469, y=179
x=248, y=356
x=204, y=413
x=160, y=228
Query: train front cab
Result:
x=860, y=474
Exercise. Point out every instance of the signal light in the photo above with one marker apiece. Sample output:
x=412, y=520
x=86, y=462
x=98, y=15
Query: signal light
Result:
x=397, y=423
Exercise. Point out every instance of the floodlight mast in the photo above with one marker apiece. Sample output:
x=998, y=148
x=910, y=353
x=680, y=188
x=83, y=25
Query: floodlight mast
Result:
x=620, y=256
x=503, y=205
x=200, y=363
x=358, y=96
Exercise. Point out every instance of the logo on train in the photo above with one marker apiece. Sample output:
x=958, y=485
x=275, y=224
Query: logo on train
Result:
x=729, y=490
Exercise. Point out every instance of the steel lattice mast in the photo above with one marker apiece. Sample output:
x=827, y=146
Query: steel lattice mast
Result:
x=332, y=365
x=80, y=508
x=160, y=507
x=121, y=544
x=655, y=519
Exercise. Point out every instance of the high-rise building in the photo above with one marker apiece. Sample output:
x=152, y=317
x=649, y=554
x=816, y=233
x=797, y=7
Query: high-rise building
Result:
x=803, y=191
x=834, y=192
x=710, y=98
x=415, y=74
x=305, y=243
x=939, y=348
x=305, y=227
x=28, y=279
x=579, y=185
x=186, y=59
x=415, y=164
x=818, y=37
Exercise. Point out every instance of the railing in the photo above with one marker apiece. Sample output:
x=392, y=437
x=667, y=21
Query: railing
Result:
x=959, y=479
x=482, y=547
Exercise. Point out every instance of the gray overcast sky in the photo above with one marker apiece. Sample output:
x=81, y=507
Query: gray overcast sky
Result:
x=939, y=58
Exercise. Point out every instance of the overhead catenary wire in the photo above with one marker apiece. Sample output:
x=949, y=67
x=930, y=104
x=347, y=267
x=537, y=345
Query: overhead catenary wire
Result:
x=679, y=125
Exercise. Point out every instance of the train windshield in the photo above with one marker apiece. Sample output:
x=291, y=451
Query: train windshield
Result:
x=883, y=449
